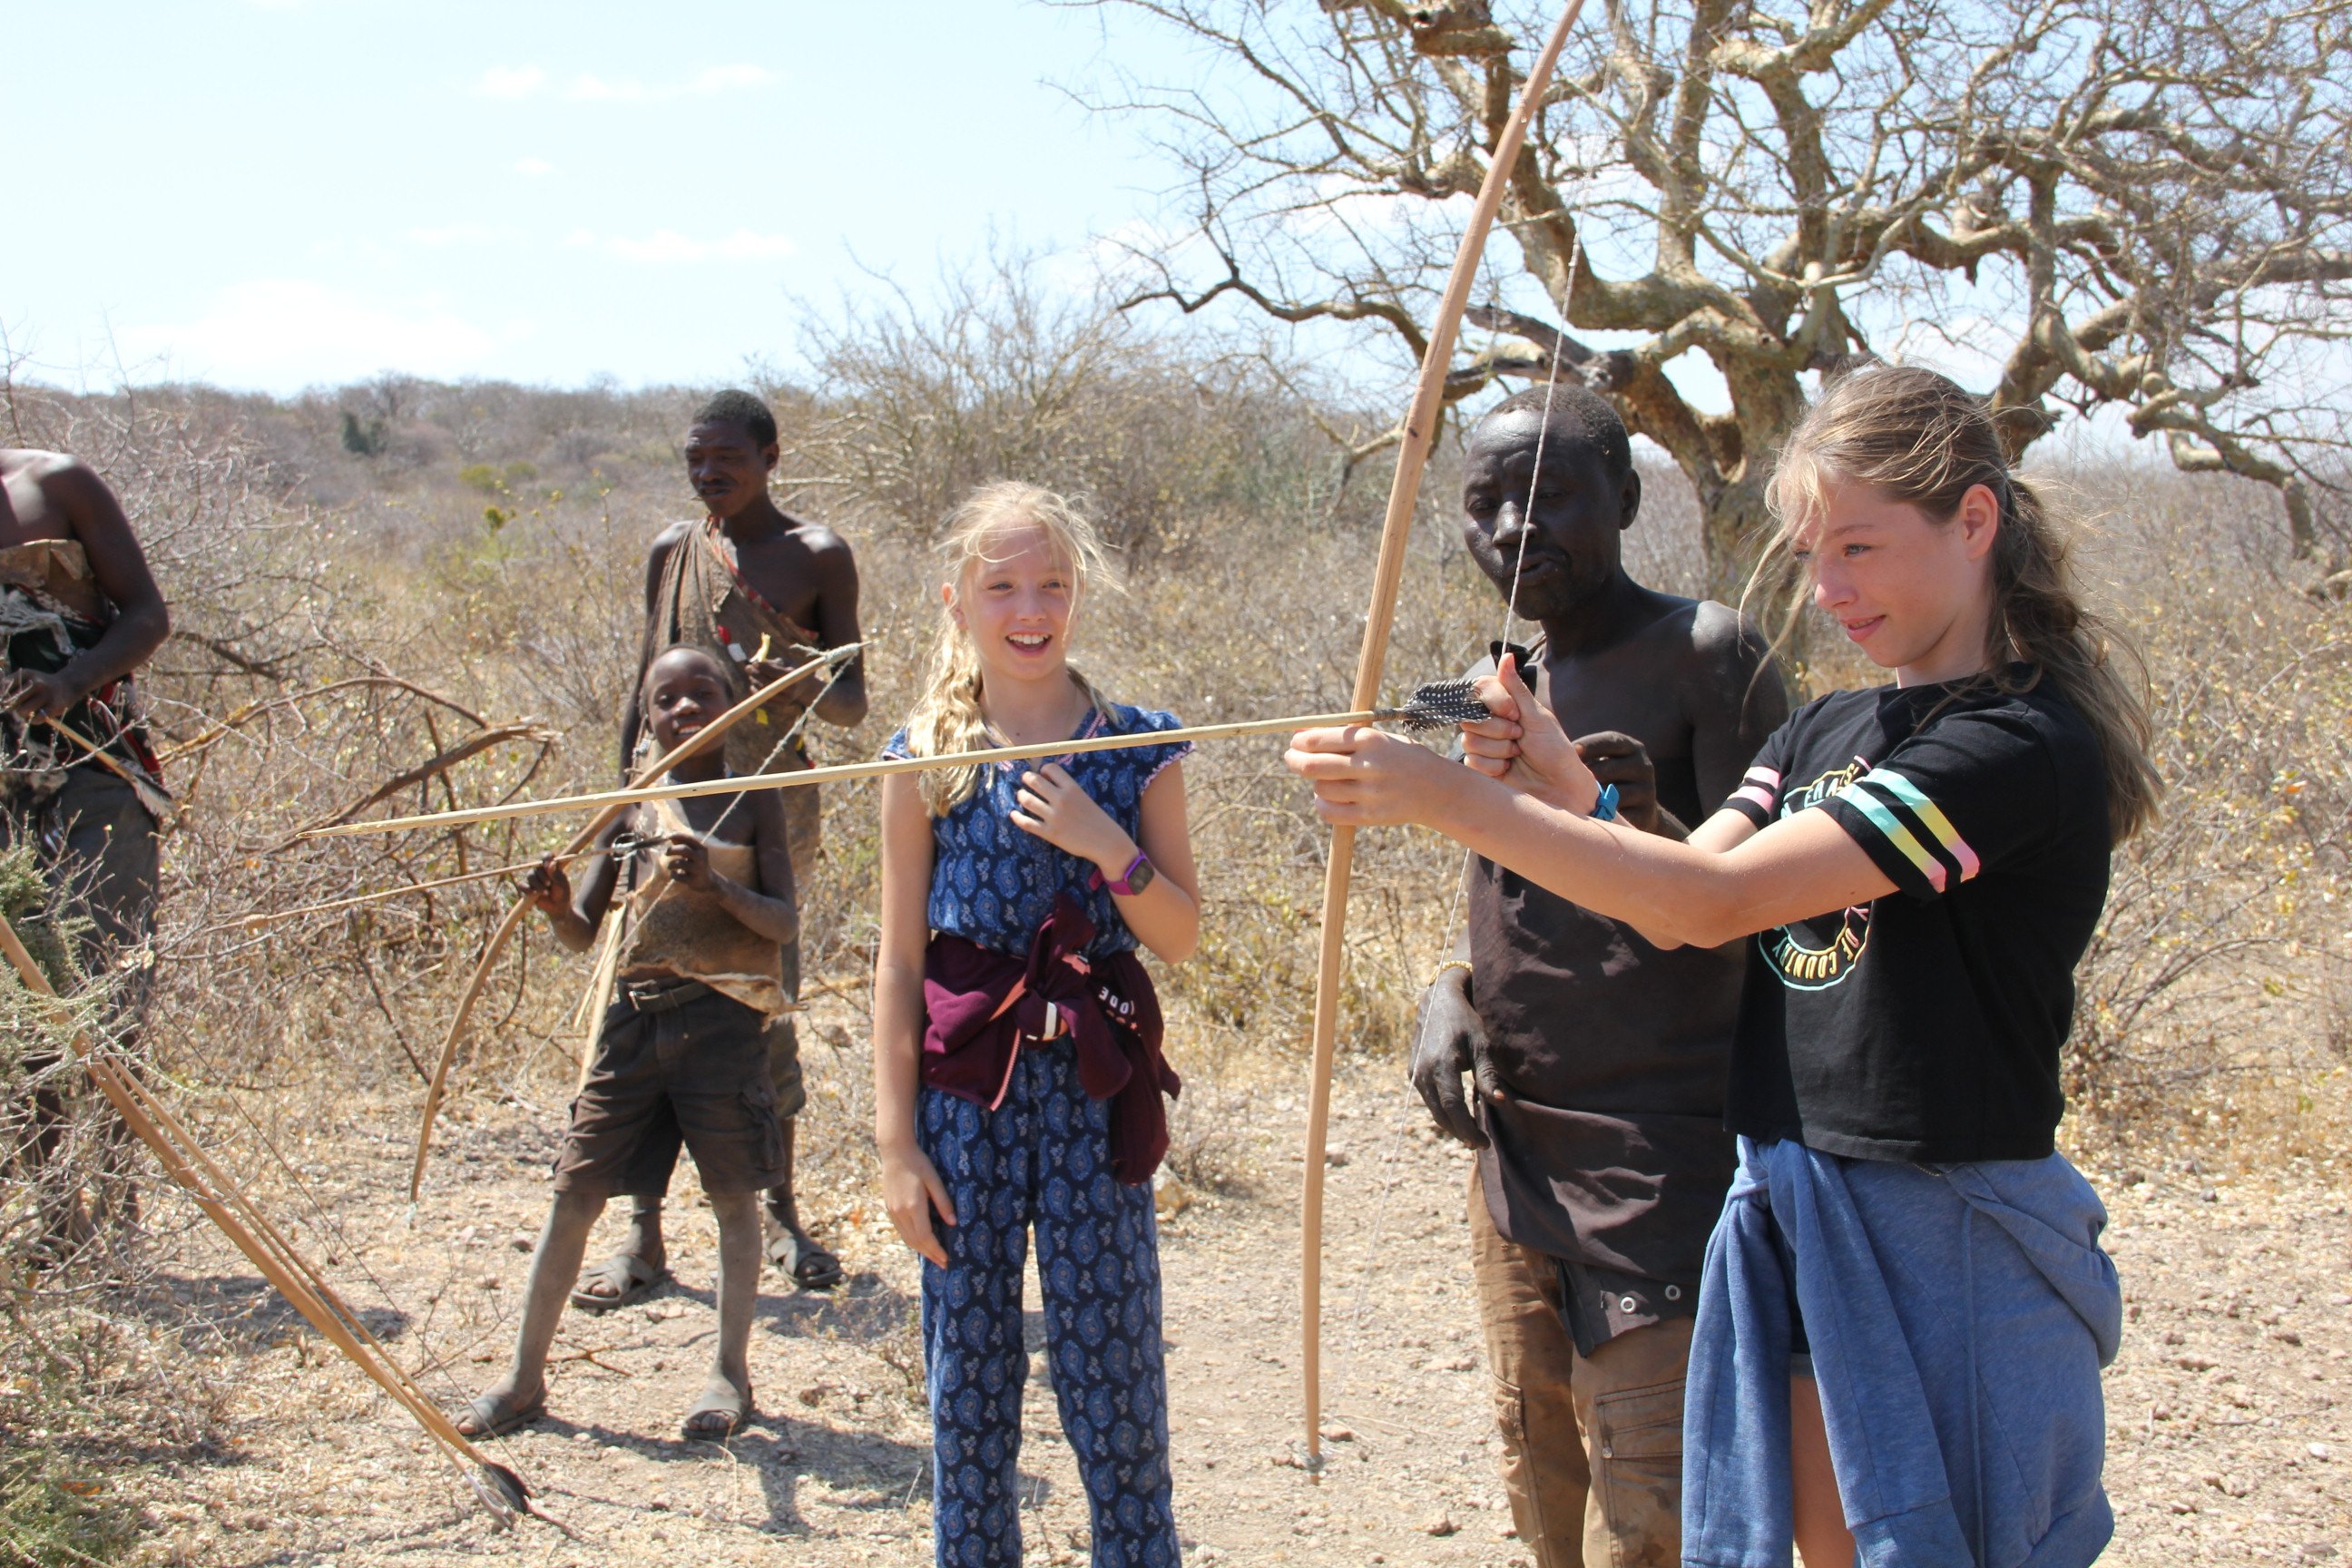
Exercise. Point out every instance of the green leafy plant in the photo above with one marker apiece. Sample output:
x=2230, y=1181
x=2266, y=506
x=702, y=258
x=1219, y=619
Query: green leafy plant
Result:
x=51, y=1518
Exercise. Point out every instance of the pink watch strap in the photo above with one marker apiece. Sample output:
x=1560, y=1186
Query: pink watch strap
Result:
x=1123, y=887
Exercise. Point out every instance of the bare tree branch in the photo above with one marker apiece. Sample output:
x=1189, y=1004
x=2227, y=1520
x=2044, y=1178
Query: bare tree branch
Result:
x=2105, y=204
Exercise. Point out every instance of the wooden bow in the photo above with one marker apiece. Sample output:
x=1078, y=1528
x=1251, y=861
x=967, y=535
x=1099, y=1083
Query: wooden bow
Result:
x=1412, y=457
x=694, y=745
x=296, y=1278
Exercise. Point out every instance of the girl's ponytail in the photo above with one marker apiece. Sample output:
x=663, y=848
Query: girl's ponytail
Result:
x=2038, y=619
x=1921, y=438
x=948, y=716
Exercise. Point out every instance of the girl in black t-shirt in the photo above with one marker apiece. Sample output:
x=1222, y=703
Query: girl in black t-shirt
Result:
x=1904, y=1309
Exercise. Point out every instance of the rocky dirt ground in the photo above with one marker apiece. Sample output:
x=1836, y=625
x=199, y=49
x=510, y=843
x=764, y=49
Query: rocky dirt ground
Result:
x=2230, y=1410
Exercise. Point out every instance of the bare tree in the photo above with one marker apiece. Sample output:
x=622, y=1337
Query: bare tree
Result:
x=2120, y=204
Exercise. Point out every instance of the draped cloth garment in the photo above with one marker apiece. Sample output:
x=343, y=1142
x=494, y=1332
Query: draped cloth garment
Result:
x=703, y=602
x=51, y=609
x=673, y=929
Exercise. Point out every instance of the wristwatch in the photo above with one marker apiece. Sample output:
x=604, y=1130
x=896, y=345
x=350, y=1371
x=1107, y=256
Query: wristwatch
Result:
x=1134, y=879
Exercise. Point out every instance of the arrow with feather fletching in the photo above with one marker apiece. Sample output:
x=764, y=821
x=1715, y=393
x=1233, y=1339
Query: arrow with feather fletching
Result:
x=1412, y=457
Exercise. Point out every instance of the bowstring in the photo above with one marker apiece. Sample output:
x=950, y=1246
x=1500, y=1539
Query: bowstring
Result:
x=1461, y=882
x=1543, y=434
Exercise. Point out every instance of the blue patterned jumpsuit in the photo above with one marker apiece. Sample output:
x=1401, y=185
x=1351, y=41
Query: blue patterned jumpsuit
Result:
x=1041, y=1160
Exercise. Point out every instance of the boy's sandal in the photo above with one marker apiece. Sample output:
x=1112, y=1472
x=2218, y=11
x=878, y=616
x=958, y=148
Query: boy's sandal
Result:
x=626, y=1277
x=722, y=1408
x=811, y=1267
x=490, y=1417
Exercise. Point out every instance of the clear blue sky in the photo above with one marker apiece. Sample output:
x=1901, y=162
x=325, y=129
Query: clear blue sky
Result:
x=276, y=194
x=270, y=194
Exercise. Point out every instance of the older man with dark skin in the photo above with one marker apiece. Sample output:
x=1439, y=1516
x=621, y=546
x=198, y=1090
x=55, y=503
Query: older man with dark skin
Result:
x=1597, y=1061
x=761, y=591
x=79, y=613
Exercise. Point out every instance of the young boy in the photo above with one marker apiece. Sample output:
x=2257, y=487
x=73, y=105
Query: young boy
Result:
x=744, y=577
x=682, y=1055
x=1600, y=1060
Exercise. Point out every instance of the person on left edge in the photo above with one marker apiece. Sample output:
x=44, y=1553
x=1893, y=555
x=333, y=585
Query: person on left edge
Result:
x=80, y=614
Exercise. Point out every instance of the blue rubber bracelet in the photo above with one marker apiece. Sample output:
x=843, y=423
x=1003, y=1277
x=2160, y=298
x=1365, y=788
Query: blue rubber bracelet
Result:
x=1606, y=809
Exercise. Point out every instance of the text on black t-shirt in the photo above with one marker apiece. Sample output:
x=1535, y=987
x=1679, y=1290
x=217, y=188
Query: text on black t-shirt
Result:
x=1926, y=1025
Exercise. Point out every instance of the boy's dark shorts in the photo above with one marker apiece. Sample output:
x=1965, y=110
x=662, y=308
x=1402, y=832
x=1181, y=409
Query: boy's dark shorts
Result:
x=675, y=1063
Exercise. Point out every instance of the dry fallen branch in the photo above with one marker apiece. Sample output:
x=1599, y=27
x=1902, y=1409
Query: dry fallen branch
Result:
x=438, y=765
x=221, y=729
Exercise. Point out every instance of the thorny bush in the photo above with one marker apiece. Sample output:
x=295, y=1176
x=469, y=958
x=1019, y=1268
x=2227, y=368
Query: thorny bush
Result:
x=351, y=621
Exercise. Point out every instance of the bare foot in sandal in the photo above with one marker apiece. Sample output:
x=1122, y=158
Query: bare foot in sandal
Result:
x=796, y=1252
x=618, y=1280
x=500, y=1411
x=633, y=1271
x=721, y=1408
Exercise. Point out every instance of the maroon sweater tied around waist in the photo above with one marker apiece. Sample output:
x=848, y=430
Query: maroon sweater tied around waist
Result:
x=981, y=1007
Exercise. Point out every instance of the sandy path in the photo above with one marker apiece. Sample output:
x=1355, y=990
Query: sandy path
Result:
x=2229, y=1434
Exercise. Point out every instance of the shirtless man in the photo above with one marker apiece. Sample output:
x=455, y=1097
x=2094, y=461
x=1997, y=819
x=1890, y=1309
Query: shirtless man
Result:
x=78, y=613
x=744, y=579
x=1599, y=1061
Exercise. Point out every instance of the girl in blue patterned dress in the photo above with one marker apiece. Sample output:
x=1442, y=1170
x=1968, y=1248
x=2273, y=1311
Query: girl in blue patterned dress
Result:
x=978, y=859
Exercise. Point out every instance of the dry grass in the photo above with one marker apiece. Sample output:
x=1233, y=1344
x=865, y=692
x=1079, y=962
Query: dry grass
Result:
x=352, y=615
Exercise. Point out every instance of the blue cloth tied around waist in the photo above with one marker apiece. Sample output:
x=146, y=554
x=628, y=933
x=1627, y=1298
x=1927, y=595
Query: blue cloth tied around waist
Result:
x=1957, y=1317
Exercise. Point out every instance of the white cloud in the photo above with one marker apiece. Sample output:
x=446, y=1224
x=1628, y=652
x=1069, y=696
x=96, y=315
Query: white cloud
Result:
x=533, y=168
x=593, y=88
x=282, y=333
x=666, y=247
x=511, y=82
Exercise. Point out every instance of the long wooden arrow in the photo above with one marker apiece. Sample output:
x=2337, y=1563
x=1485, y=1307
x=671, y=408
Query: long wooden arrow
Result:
x=1412, y=457
x=614, y=799
x=239, y=1219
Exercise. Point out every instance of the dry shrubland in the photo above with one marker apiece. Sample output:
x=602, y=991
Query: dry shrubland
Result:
x=373, y=581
